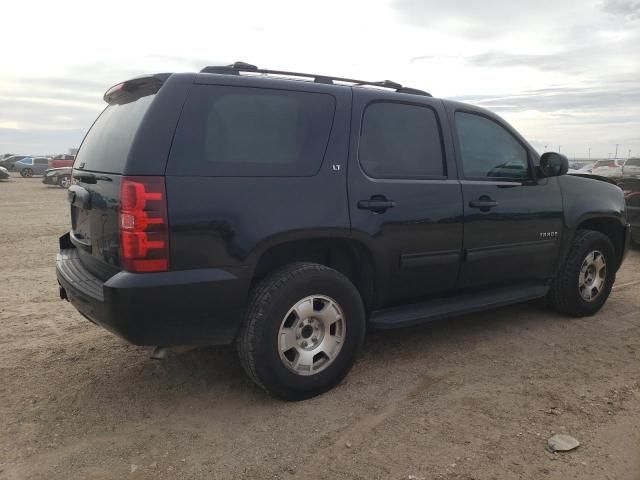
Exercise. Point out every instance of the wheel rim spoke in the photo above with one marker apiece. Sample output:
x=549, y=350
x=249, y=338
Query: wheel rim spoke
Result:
x=304, y=309
x=303, y=361
x=287, y=339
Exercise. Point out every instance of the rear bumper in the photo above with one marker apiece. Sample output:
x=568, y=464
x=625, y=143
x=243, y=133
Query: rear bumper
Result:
x=191, y=307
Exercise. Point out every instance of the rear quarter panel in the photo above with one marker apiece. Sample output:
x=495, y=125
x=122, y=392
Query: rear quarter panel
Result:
x=231, y=221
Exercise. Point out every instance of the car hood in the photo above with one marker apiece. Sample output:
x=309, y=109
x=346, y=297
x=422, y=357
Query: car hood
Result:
x=595, y=177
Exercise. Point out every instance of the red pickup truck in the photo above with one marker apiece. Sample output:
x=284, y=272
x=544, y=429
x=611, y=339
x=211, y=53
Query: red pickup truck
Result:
x=62, y=161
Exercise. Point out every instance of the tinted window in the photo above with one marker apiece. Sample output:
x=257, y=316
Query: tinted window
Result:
x=400, y=141
x=237, y=131
x=106, y=146
x=633, y=162
x=42, y=161
x=489, y=150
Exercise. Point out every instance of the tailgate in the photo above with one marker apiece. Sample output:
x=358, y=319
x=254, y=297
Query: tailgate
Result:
x=98, y=170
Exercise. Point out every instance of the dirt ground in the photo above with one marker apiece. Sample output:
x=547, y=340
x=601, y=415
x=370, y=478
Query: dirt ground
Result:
x=474, y=397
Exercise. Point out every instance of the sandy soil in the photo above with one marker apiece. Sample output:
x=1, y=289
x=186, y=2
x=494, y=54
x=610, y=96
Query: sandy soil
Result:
x=474, y=397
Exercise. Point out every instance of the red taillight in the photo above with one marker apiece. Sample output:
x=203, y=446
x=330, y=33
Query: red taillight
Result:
x=144, y=227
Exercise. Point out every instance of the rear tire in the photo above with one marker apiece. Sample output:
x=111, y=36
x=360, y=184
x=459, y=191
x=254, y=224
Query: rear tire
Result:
x=26, y=172
x=302, y=332
x=584, y=282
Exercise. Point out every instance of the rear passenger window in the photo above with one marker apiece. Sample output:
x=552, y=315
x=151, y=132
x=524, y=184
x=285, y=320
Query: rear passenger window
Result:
x=400, y=141
x=239, y=131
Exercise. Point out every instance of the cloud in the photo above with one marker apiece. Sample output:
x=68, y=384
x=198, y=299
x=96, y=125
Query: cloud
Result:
x=40, y=142
x=627, y=9
x=477, y=20
x=541, y=64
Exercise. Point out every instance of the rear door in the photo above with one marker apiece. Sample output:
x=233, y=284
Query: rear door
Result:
x=40, y=165
x=126, y=139
x=405, y=200
x=512, y=221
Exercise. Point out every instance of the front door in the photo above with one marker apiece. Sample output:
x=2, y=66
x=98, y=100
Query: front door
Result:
x=512, y=220
x=405, y=200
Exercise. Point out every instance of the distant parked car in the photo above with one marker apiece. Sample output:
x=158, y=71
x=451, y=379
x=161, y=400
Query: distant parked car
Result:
x=58, y=176
x=632, y=167
x=4, y=173
x=30, y=166
x=584, y=168
x=631, y=188
x=608, y=168
x=8, y=162
x=62, y=161
x=579, y=164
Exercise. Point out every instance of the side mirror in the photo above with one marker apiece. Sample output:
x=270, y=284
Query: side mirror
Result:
x=553, y=164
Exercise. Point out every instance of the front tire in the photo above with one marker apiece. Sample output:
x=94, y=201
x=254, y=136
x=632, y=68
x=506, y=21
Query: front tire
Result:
x=26, y=172
x=64, y=181
x=303, y=329
x=584, y=283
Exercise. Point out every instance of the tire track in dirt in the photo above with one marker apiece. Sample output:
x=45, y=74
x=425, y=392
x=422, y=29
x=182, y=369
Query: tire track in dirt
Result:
x=356, y=434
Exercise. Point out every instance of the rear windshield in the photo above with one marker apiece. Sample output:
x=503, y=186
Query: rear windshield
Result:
x=633, y=162
x=106, y=146
x=240, y=131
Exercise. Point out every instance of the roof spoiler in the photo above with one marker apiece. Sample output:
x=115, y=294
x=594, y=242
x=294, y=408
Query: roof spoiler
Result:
x=134, y=89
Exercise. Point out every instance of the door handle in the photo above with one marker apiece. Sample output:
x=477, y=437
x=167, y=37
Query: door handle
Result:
x=376, y=204
x=484, y=203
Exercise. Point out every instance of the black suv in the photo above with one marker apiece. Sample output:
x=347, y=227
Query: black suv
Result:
x=290, y=212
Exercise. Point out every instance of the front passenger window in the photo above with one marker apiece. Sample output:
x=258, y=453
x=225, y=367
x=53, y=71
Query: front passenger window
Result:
x=488, y=150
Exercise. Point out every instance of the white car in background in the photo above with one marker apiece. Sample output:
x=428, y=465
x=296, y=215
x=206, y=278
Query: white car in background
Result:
x=632, y=167
x=608, y=168
x=583, y=167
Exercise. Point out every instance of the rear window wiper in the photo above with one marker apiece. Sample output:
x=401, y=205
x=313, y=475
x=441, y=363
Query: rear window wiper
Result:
x=87, y=177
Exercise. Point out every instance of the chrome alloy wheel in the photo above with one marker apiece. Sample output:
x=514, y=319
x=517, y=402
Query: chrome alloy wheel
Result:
x=311, y=335
x=593, y=276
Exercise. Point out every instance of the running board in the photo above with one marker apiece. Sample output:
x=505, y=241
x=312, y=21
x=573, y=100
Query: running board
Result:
x=416, y=313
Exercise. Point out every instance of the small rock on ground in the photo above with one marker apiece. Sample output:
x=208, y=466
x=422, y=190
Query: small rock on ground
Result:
x=562, y=443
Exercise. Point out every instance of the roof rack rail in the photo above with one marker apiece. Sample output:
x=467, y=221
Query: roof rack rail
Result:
x=237, y=67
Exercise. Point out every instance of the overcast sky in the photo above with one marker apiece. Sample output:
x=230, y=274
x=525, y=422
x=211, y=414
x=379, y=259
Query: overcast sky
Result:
x=563, y=72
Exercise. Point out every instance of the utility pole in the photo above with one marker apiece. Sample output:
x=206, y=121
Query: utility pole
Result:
x=589, y=153
x=545, y=147
x=629, y=154
x=616, y=151
x=558, y=148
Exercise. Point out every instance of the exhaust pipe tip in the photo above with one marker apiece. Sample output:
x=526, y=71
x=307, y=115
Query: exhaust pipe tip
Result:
x=159, y=353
